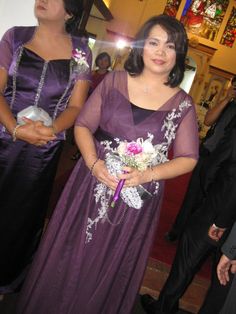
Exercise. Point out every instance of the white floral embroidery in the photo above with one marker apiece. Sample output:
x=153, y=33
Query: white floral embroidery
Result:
x=103, y=194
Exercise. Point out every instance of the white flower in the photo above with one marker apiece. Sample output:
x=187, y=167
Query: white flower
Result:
x=121, y=149
x=148, y=147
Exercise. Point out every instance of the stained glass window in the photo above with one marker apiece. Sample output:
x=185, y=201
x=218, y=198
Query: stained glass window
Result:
x=172, y=7
x=229, y=34
x=204, y=17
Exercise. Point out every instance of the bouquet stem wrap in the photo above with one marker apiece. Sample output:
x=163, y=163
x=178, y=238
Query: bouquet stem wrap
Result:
x=117, y=192
x=132, y=196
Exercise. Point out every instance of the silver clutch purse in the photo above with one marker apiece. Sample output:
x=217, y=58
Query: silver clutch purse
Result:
x=34, y=113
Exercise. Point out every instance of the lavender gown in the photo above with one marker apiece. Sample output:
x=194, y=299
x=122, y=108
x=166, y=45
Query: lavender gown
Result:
x=27, y=171
x=92, y=259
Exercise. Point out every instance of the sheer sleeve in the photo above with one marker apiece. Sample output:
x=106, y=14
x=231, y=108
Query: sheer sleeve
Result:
x=90, y=114
x=186, y=143
x=6, y=49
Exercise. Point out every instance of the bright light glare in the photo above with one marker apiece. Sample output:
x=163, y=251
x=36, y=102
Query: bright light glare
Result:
x=120, y=44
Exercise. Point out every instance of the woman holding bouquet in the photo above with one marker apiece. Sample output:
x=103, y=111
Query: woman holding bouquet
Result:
x=93, y=256
x=36, y=76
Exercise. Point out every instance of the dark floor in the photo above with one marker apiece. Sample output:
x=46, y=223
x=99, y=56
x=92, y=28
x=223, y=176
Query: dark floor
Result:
x=8, y=305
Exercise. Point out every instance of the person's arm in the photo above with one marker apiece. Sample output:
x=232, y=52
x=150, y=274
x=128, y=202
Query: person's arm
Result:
x=229, y=246
x=228, y=260
x=224, y=266
x=167, y=170
x=79, y=94
x=6, y=55
x=85, y=141
x=218, y=178
x=35, y=133
x=86, y=124
x=77, y=99
x=6, y=116
x=170, y=169
x=64, y=121
x=67, y=118
x=213, y=113
x=27, y=132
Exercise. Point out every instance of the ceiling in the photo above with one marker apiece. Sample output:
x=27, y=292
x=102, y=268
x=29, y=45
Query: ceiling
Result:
x=101, y=11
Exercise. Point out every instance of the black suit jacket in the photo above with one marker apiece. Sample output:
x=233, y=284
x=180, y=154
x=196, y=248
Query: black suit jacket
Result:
x=229, y=247
x=218, y=179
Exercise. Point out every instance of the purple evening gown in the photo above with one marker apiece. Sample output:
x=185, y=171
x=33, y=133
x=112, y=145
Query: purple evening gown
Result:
x=27, y=171
x=92, y=258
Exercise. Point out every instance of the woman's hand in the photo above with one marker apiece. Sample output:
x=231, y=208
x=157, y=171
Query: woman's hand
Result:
x=101, y=173
x=34, y=132
x=44, y=130
x=134, y=177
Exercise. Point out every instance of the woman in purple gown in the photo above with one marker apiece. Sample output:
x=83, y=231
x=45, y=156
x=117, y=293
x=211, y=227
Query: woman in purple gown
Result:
x=93, y=257
x=35, y=69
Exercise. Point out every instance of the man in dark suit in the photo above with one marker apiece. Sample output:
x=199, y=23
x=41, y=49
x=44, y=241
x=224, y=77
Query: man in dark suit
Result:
x=206, y=229
x=218, y=118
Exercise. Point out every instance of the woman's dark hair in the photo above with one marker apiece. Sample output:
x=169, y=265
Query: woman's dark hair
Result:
x=75, y=9
x=101, y=56
x=176, y=34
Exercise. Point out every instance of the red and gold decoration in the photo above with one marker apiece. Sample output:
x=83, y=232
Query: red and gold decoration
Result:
x=229, y=34
x=204, y=17
x=172, y=7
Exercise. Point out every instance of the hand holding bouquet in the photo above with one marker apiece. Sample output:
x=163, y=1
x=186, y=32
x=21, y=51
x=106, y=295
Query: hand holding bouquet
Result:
x=139, y=154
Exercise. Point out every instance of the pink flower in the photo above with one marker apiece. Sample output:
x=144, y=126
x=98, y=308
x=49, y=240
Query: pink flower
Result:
x=79, y=60
x=76, y=53
x=133, y=148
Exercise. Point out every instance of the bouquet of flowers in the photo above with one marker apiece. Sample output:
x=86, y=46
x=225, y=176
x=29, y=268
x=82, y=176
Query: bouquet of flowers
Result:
x=79, y=61
x=139, y=154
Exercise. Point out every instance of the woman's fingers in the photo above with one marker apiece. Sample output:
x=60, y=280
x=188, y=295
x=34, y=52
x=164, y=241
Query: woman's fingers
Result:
x=132, y=177
x=223, y=269
x=30, y=132
x=28, y=121
x=101, y=173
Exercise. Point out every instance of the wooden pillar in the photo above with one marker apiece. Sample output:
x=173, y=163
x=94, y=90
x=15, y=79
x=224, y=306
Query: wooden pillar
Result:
x=85, y=16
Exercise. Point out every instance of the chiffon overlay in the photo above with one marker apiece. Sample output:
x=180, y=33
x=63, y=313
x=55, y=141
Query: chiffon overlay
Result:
x=27, y=171
x=92, y=258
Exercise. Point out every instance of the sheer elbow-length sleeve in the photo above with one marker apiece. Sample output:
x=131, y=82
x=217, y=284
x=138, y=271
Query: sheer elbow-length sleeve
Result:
x=186, y=143
x=6, y=49
x=90, y=114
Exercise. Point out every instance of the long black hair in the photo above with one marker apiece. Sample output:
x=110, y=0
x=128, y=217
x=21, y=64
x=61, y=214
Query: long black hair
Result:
x=176, y=34
x=75, y=9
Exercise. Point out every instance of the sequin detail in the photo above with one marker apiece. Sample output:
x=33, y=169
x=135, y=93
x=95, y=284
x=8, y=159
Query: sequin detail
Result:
x=59, y=106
